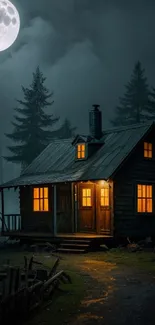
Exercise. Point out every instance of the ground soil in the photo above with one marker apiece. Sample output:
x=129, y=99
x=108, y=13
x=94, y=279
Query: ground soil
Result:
x=115, y=296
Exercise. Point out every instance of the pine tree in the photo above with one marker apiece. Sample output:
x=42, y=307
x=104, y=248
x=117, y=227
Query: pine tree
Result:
x=152, y=104
x=31, y=128
x=134, y=106
x=66, y=131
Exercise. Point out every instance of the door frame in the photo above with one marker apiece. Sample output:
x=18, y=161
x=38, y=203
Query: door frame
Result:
x=109, y=208
x=81, y=185
x=96, y=207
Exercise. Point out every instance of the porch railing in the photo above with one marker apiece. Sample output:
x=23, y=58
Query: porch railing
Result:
x=12, y=222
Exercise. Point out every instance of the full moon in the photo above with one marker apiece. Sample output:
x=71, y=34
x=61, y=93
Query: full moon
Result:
x=9, y=24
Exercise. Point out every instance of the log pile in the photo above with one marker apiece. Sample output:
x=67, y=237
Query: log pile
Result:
x=22, y=290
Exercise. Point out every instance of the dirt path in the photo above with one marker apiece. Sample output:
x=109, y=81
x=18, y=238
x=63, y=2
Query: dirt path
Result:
x=115, y=296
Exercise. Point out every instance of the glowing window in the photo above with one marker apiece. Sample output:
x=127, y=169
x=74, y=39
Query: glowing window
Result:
x=40, y=199
x=144, y=198
x=147, y=150
x=81, y=151
x=86, y=197
x=104, y=197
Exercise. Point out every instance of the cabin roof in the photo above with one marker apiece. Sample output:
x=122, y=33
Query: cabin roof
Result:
x=57, y=161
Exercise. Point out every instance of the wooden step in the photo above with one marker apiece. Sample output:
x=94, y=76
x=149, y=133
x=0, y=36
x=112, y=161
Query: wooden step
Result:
x=77, y=241
x=71, y=251
x=74, y=245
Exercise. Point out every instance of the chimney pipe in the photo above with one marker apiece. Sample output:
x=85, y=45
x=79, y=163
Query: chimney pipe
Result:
x=96, y=105
x=95, y=122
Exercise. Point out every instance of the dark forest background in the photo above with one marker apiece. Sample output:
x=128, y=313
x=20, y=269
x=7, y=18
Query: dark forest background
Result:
x=33, y=128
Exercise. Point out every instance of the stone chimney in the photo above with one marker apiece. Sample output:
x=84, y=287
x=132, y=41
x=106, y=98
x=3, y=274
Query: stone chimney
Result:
x=95, y=122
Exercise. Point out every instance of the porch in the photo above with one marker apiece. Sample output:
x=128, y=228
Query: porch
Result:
x=81, y=211
x=64, y=243
x=12, y=228
x=48, y=236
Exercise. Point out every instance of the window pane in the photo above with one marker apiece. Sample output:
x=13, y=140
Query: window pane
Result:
x=83, y=192
x=106, y=192
x=36, y=193
x=150, y=146
x=102, y=192
x=149, y=205
x=88, y=192
x=139, y=205
x=139, y=191
x=145, y=145
x=82, y=154
x=88, y=202
x=83, y=147
x=41, y=192
x=41, y=205
x=45, y=192
x=145, y=153
x=143, y=205
x=106, y=201
x=150, y=154
x=102, y=201
x=45, y=204
x=36, y=205
x=84, y=202
x=149, y=191
x=143, y=190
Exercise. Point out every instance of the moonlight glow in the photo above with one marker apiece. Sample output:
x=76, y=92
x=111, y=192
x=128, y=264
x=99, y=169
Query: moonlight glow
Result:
x=9, y=24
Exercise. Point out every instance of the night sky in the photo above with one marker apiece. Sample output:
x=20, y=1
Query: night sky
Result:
x=85, y=48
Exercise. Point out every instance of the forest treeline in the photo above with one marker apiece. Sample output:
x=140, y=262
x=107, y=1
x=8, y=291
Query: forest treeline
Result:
x=33, y=127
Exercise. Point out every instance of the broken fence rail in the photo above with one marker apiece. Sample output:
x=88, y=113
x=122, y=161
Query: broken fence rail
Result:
x=25, y=290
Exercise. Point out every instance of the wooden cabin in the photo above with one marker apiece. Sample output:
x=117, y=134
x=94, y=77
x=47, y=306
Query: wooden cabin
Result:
x=101, y=185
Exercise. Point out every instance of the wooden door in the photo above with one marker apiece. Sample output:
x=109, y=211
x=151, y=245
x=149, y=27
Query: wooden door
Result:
x=86, y=220
x=104, y=209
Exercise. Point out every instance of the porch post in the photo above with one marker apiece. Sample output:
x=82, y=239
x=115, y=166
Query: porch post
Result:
x=54, y=210
x=111, y=188
x=2, y=208
x=76, y=198
x=73, y=207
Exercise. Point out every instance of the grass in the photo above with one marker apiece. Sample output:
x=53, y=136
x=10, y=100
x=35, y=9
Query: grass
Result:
x=144, y=261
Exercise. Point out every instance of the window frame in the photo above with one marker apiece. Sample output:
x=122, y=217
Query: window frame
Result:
x=136, y=198
x=104, y=197
x=87, y=197
x=147, y=150
x=40, y=198
x=80, y=151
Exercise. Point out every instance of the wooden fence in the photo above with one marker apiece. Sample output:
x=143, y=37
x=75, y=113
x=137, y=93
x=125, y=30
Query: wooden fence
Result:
x=23, y=290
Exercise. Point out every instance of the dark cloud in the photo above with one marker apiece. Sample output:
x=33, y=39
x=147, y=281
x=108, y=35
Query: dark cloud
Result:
x=86, y=49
